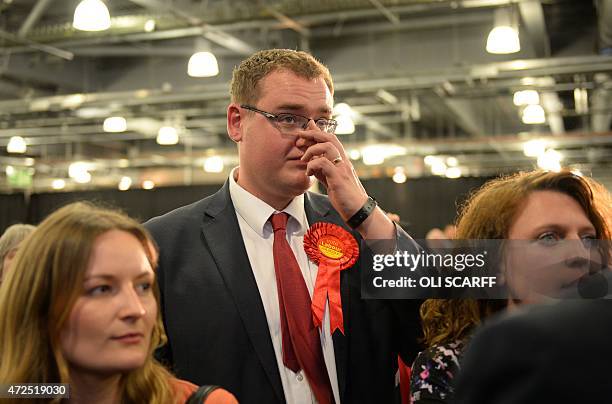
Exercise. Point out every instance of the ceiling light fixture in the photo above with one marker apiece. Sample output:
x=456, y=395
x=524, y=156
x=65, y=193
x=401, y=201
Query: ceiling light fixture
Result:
x=149, y=26
x=213, y=164
x=167, y=136
x=16, y=144
x=203, y=64
x=343, y=114
x=526, y=97
x=58, y=183
x=533, y=114
x=115, y=124
x=125, y=183
x=503, y=38
x=399, y=175
x=534, y=148
x=91, y=15
x=550, y=160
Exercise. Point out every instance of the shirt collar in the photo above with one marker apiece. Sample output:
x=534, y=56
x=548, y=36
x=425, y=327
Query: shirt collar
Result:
x=256, y=212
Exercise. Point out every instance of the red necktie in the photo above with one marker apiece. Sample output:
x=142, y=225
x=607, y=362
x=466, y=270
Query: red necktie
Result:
x=301, y=343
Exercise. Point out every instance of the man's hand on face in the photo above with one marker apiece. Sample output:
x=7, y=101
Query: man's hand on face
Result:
x=328, y=162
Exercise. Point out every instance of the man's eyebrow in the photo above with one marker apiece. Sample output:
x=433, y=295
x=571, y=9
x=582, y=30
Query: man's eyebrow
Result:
x=297, y=107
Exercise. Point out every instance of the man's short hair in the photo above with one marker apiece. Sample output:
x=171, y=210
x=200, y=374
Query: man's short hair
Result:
x=245, y=87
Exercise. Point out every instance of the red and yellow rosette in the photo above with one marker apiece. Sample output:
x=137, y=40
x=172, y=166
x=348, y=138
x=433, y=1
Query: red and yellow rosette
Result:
x=333, y=249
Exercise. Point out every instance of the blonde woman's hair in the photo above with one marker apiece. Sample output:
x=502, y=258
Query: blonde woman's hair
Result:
x=245, y=88
x=38, y=295
x=488, y=214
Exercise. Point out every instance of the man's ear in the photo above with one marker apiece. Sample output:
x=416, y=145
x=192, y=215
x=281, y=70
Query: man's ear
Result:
x=234, y=122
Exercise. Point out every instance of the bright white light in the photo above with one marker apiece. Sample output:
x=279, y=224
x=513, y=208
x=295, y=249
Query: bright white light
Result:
x=16, y=144
x=148, y=184
x=29, y=161
x=91, y=15
x=503, y=39
x=346, y=125
x=10, y=171
x=431, y=160
x=399, y=175
x=534, y=148
x=213, y=164
x=343, y=109
x=202, y=64
x=354, y=154
x=125, y=183
x=372, y=156
x=58, y=184
x=376, y=154
x=453, y=172
x=115, y=124
x=550, y=160
x=73, y=101
x=526, y=97
x=533, y=114
x=149, y=26
x=452, y=162
x=77, y=168
x=438, y=168
x=167, y=136
x=78, y=171
x=82, y=178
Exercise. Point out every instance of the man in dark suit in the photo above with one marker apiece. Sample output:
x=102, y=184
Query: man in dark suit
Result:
x=222, y=303
x=557, y=353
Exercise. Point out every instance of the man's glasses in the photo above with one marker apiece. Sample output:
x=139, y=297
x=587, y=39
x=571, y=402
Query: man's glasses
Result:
x=288, y=123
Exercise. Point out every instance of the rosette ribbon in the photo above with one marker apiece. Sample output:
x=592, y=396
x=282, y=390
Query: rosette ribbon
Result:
x=333, y=249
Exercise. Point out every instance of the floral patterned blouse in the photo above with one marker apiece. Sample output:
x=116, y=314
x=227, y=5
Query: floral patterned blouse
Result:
x=433, y=373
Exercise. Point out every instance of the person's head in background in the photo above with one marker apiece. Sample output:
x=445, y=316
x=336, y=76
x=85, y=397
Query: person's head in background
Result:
x=548, y=220
x=81, y=307
x=277, y=81
x=450, y=231
x=9, y=243
x=536, y=205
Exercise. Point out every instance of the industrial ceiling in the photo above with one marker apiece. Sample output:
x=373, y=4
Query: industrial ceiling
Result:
x=415, y=73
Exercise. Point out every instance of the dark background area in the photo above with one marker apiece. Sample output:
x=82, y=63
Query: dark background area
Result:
x=423, y=203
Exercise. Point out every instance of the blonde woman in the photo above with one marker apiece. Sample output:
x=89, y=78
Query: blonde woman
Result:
x=81, y=307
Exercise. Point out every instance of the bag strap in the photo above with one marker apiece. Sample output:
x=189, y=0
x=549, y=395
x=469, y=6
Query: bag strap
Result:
x=199, y=396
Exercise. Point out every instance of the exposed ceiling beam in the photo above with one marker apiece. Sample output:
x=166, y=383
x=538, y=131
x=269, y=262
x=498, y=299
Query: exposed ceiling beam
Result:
x=601, y=100
x=37, y=12
x=394, y=19
x=288, y=21
x=52, y=50
x=553, y=107
x=266, y=24
x=532, y=15
x=210, y=32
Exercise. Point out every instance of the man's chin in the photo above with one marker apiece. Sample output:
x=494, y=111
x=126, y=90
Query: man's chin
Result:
x=300, y=184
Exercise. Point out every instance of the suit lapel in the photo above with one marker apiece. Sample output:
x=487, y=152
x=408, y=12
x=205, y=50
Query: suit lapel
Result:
x=318, y=210
x=224, y=239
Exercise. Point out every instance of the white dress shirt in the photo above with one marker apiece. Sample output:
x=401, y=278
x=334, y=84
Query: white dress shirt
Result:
x=253, y=215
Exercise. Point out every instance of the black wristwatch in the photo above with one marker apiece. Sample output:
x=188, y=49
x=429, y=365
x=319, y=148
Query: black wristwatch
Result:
x=362, y=214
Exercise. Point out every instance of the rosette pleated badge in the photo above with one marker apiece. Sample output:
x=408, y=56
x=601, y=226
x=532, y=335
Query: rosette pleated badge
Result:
x=333, y=249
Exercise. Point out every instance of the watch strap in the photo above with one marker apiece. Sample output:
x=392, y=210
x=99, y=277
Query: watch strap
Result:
x=363, y=213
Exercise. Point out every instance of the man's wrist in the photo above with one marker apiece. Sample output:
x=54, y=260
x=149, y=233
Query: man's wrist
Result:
x=362, y=214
